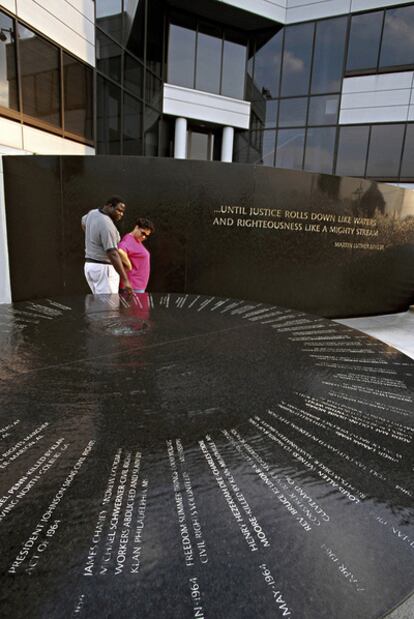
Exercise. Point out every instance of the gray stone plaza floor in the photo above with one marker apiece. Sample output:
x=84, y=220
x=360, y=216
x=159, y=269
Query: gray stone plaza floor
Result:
x=394, y=329
x=405, y=611
x=398, y=331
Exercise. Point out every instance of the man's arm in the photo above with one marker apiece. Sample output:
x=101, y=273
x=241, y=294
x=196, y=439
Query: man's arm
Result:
x=116, y=262
x=83, y=222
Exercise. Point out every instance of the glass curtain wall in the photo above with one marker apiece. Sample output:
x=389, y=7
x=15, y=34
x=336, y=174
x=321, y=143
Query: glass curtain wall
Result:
x=77, y=97
x=262, y=88
x=129, y=61
x=294, y=79
x=206, y=56
x=381, y=41
x=39, y=63
x=181, y=47
x=9, y=98
x=292, y=76
x=42, y=85
x=361, y=151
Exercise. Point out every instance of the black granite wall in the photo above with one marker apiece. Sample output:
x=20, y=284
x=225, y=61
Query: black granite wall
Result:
x=324, y=244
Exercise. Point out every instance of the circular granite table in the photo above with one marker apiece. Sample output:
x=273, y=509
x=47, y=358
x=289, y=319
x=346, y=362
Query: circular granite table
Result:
x=172, y=456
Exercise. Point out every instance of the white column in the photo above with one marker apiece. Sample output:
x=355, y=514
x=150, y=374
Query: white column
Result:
x=227, y=144
x=5, y=290
x=180, y=141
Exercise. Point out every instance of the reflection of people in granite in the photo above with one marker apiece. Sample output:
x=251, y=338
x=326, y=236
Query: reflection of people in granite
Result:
x=103, y=265
x=113, y=315
x=329, y=185
x=372, y=201
x=135, y=256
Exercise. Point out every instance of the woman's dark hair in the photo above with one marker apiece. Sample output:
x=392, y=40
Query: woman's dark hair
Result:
x=143, y=222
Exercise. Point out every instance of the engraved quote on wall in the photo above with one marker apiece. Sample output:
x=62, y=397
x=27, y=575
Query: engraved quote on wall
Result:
x=347, y=231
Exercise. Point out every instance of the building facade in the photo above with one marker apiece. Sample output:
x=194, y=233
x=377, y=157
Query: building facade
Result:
x=47, y=59
x=319, y=86
x=325, y=87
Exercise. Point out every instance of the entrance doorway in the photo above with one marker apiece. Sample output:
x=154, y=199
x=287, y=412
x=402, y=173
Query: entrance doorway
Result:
x=200, y=144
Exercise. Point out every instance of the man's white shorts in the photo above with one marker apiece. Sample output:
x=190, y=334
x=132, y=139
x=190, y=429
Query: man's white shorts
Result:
x=102, y=278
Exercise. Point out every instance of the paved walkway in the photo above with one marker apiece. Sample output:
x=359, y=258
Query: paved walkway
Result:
x=398, y=331
x=394, y=329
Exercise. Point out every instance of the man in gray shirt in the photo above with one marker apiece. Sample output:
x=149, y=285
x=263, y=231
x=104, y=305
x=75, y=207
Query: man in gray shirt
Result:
x=103, y=264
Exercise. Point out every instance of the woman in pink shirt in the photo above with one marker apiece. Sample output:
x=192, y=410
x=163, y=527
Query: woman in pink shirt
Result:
x=135, y=256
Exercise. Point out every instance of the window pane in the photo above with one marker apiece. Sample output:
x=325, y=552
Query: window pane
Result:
x=328, y=57
x=270, y=113
x=323, y=110
x=292, y=112
x=256, y=118
x=208, y=60
x=166, y=137
x=132, y=127
x=249, y=75
x=397, y=46
x=289, y=153
x=109, y=17
x=268, y=147
x=267, y=67
x=153, y=93
x=385, y=150
x=134, y=28
x=109, y=118
x=8, y=75
x=297, y=59
x=78, y=97
x=133, y=75
x=252, y=155
x=155, y=30
x=256, y=138
x=152, y=121
x=39, y=66
x=108, y=57
x=264, y=144
x=320, y=145
x=352, y=151
x=181, y=56
x=241, y=147
x=407, y=168
x=364, y=41
x=234, y=68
